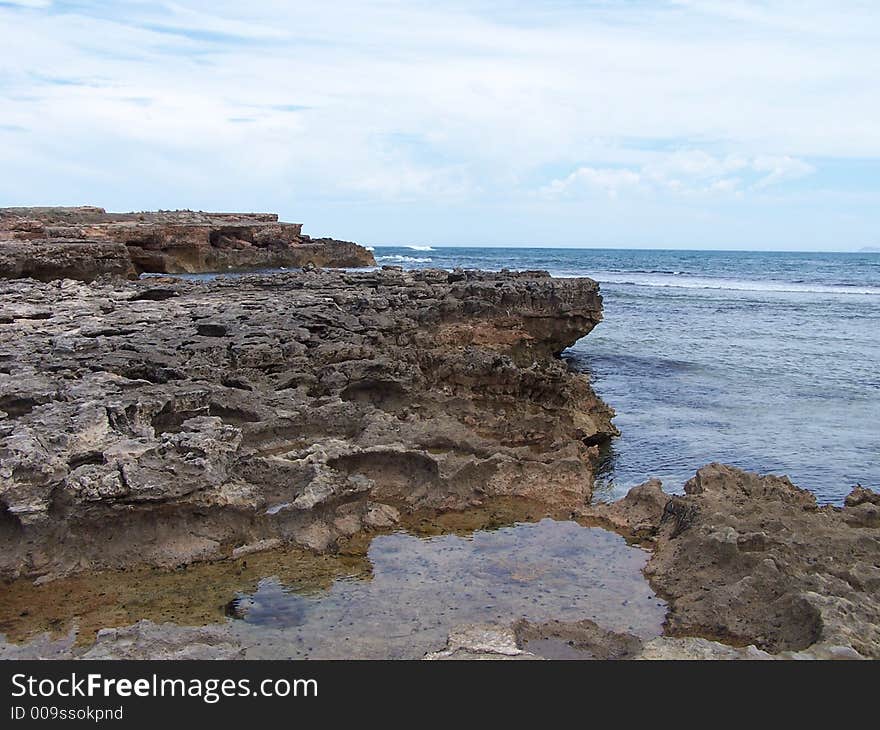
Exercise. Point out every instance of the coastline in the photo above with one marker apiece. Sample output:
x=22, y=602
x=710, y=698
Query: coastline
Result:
x=154, y=424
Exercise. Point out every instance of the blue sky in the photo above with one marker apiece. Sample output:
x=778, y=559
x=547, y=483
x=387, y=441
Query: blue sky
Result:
x=685, y=124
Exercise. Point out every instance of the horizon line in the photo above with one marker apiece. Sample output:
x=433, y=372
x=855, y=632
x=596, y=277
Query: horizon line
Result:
x=427, y=248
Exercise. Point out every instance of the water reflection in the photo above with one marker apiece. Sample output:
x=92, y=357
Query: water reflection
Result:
x=422, y=587
x=398, y=598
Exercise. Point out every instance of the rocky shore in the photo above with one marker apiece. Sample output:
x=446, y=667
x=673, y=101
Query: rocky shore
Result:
x=752, y=559
x=170, y=421
x=156, y=423
x=751, y=568
x=87, y=242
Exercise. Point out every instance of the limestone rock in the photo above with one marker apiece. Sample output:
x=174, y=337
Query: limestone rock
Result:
x=50, y=259
x=638, y=513
x=85, y=243
x=380, y=516
x=142, y=640
x=668, y=648
x=471, y=642
x=148, y=640
x=166, y=422
x=587, y=640
x=752, y=559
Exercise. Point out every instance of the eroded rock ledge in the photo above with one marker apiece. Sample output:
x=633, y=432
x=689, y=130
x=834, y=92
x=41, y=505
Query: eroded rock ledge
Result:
x=753, y=560
x=86, y=242
x=167, y=421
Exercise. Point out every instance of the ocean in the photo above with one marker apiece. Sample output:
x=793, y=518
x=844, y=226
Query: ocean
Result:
x=767, y=361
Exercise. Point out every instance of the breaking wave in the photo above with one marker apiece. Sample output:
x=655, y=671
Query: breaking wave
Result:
x=687, y=282
x=404, y=259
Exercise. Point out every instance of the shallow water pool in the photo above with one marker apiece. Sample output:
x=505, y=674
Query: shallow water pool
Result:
x=420, y=588
x=398, y=599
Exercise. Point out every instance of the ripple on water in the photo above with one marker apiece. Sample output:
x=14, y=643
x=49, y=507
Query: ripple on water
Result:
x=421, y=588
x=398, y=597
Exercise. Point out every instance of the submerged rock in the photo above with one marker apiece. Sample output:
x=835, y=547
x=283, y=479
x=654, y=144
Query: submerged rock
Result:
x=576, y=640
x=174, y=421
x=87, y=242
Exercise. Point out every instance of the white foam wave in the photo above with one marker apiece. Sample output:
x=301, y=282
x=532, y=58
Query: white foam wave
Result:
x=420, y=248
x=680, y=282
x=405, y=259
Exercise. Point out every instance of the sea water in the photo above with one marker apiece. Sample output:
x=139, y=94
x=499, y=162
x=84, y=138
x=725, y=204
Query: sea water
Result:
x=768, y=361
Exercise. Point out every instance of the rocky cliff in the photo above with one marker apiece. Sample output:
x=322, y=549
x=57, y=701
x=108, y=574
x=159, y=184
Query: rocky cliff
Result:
x=84, y=243
x=166, y=421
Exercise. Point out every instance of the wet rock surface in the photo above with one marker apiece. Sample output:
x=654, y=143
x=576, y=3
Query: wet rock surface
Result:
x=473, y=642
x=87, y=242
x=751, y=559
x=587, y=640
x=168, y=421
x=142, y=640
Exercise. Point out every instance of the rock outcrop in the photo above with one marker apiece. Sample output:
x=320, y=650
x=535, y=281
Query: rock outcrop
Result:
x=142, y=640
x=587, y=640
x=167, y=421
x=751, y=559
x=47, y=259
x=85, y=243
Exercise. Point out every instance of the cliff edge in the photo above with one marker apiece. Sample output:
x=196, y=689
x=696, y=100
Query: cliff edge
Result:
x=87, y=242
x=166, y=421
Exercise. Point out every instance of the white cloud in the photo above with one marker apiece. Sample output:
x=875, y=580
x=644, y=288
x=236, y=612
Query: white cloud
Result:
x=780, y=169
x=686, y=172
x=696, y=164
x=438, y=102
x=609, y=180
x=29, y=3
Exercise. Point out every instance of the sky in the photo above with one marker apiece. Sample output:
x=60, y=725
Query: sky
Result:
x=641, y=123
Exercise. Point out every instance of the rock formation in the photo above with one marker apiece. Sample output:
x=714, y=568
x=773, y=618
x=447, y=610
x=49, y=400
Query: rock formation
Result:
x=142, y=640
x=751, y=567
x=166, y=421
x=576, y=640
x=751, y=559
x=84, y=243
